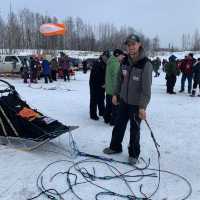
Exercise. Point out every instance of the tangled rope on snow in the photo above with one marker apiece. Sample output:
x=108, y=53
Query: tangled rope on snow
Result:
x=78, y=175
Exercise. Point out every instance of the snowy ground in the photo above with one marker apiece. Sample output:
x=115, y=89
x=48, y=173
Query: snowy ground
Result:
x=173, y=118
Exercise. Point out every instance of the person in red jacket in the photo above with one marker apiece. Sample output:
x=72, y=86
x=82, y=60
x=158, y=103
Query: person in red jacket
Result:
x=186, y=69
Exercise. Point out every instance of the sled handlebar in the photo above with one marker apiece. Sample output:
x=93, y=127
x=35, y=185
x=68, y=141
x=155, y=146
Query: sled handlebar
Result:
x=11, y=87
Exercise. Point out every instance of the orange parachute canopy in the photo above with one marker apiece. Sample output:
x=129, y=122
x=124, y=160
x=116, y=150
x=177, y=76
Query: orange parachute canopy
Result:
x=52, y=29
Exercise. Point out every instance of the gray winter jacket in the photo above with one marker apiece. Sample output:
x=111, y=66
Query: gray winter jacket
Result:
x=134, y=82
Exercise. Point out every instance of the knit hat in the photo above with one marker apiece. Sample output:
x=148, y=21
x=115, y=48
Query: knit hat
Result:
x=118, y=52
x=106, y=53
x=191, y=55
x=172, y=58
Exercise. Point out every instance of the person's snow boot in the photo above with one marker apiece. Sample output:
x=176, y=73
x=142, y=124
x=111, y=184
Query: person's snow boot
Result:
x=132, y=160
x=193, y=93
x=172, y=92
x=109, y=151
x=94, y=117
x=181, y=90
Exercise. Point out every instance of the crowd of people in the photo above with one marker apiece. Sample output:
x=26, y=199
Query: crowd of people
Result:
x=50, y=69
x=189, y=67
x=120, y=86
x=120, y=89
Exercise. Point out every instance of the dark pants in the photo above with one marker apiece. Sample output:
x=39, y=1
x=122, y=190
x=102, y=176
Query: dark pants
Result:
x=25, y=75
x=183, y=79
x=85, y=69
x=156, y=74
x=33, y=75
x=47, y=77
x=111, y=111
x=171, y=81
x=53, y=74
x=66, y=73
x=127, y=112
x=97, y=97
x=196, y=83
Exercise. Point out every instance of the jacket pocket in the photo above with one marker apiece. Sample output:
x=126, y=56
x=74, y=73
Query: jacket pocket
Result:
x=136, y=78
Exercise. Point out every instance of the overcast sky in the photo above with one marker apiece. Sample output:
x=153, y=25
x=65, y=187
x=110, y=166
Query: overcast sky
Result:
x=168, y=19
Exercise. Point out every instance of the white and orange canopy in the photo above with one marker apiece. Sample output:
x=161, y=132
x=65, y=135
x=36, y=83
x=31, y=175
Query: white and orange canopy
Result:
x=52, y=29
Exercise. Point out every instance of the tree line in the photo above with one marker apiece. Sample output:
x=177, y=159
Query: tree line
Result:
x=21, y=31
x=191, y=42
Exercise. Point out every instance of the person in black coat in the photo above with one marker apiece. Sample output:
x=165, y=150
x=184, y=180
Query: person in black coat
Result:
x=85, y=67
x=196, y=77
x=33, y=70
x=25, y=70
x=97, y=87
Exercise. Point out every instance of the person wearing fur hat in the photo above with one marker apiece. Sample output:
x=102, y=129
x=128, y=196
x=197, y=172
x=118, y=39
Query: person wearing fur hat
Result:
x=134, y=88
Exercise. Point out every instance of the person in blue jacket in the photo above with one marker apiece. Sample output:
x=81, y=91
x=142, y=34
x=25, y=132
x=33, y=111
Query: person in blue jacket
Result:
x=46, y=70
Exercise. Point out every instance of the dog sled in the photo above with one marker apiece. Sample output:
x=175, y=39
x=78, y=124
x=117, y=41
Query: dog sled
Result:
x=23, y=127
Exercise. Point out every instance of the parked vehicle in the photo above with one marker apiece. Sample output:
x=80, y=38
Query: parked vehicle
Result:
x=10, y=64
x=75, y=62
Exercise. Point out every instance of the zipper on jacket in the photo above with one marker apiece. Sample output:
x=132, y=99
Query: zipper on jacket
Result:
x=128, y=84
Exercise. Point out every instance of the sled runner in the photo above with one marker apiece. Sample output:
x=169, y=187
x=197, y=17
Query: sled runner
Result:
x=23, y=127
x=21, y=144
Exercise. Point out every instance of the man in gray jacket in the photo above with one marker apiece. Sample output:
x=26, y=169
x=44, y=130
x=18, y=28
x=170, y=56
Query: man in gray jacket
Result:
x=134, y=88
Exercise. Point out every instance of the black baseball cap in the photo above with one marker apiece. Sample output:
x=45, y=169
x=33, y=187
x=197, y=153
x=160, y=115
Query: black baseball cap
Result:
x=132, y=38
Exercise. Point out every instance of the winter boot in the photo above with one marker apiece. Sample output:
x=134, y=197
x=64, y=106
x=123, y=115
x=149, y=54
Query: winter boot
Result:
x=94, y=117
x=193, y=93
x=172, y=92
x=109, y=151
x=132, y=160
x=181, y=90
